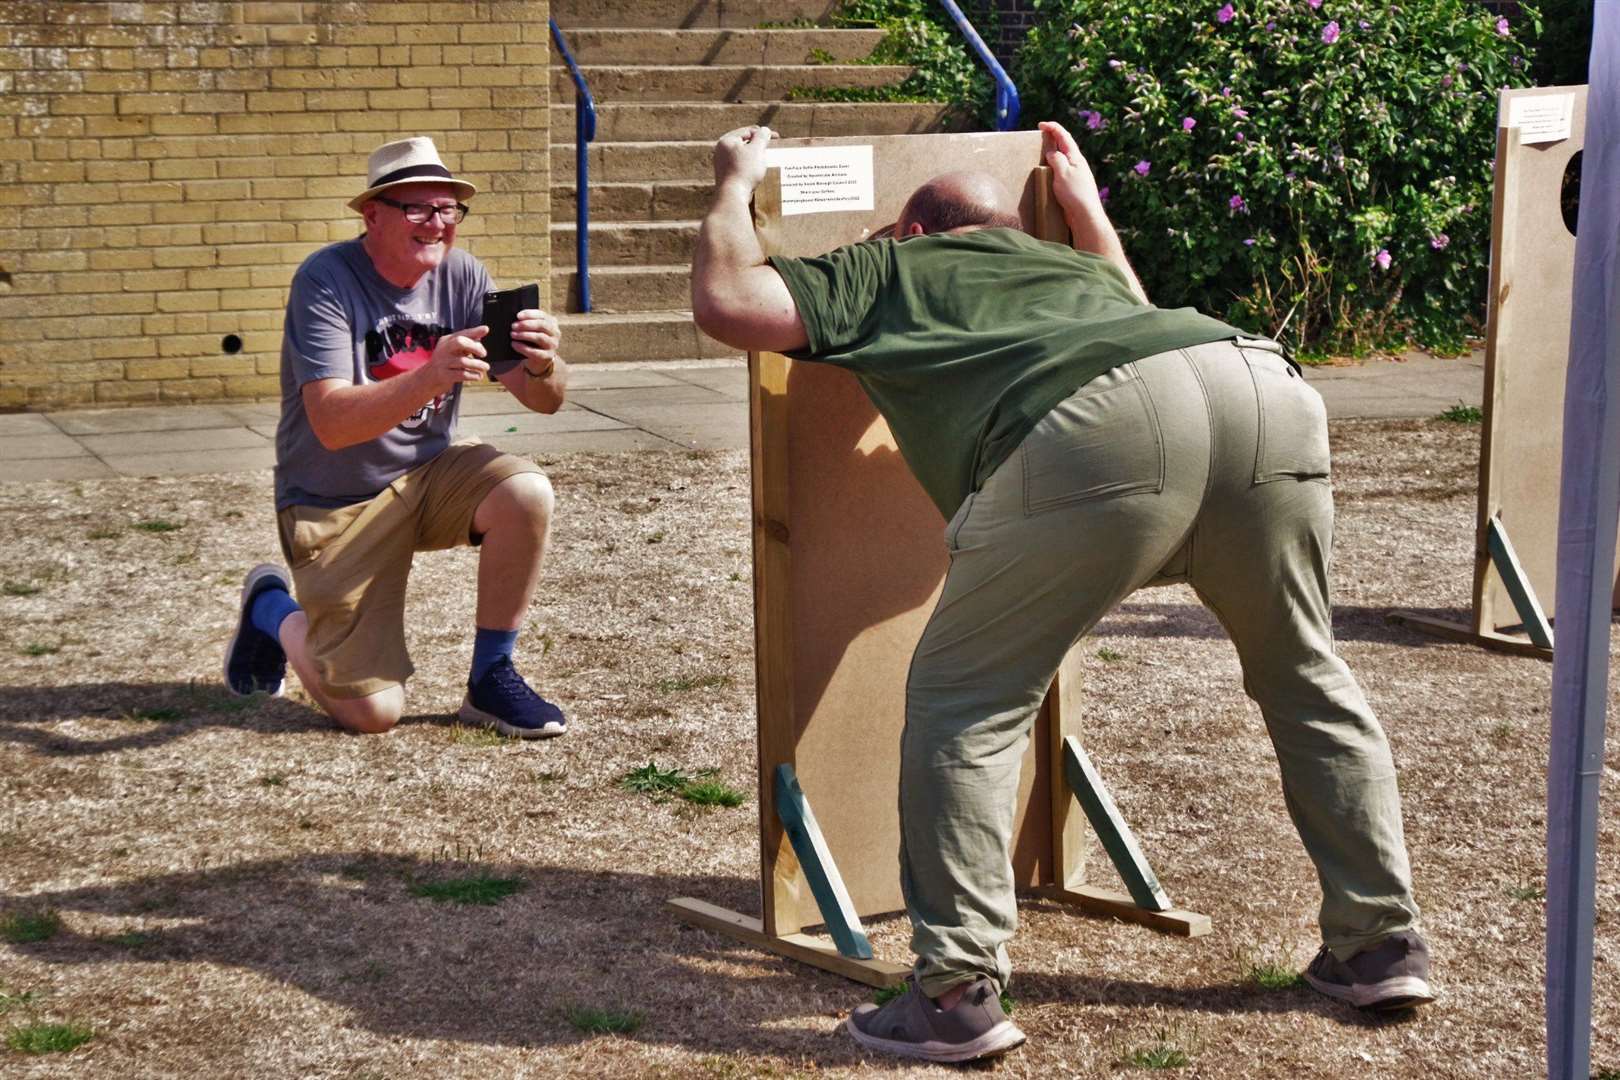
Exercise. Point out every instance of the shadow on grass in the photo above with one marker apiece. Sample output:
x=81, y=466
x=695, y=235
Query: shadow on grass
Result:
x=360, y=931
x=124, y=716
x=113, y=717
x=1350, y=623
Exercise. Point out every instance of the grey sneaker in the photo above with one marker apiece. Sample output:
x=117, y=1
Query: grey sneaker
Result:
x=913, y=1026
x=1394, y=974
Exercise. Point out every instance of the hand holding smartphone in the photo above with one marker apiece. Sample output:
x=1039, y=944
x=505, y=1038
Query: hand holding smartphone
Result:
x=500, y=312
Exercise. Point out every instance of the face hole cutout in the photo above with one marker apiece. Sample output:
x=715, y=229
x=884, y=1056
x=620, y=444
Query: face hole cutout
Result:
x=1569, y=193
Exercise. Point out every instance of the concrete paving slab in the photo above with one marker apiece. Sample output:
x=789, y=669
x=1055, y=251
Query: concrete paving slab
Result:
x=610, y=377
x=26, y=424
x=255, y=414
x=730, y=380
x=192, y=463
x=615, y=402
x=615, y=441
x=490, y=427
x=192, y=441
x=44, y=444
x=153, y=418
x=73, y=468
x=717, y=426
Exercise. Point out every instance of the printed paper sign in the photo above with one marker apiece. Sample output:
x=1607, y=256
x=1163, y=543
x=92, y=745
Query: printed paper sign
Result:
x=821, y=179
x=1542, y=118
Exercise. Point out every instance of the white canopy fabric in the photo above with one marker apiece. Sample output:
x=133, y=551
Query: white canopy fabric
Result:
x=1588, y=520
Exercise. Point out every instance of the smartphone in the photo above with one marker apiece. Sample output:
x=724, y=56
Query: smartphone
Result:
x=500, y=312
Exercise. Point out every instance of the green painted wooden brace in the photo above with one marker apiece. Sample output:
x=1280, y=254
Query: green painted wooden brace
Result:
x=837, y=910
x=1518, y=586
x=1116, y=836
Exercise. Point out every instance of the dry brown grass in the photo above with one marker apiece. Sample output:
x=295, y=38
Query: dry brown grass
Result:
x=234, y=882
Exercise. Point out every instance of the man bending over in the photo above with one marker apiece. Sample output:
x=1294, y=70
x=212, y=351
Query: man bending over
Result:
x=382, y=332
x=1079, y=443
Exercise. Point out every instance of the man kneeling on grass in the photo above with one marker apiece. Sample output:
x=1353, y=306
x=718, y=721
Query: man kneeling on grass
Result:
x=382, y=332
x=1079, y=442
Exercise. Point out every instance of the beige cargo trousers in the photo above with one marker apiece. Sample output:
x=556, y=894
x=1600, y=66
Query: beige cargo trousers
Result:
x=1209, y=465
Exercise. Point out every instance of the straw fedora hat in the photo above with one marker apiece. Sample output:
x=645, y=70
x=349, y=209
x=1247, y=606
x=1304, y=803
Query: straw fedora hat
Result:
x=407, y=161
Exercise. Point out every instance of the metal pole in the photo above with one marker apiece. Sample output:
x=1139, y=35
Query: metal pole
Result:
x=1588, y=519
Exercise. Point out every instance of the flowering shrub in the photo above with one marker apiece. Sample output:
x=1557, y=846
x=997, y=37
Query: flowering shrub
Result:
x=1315, y=170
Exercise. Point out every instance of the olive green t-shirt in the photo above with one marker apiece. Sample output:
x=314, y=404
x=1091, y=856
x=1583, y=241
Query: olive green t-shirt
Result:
x=964, y=341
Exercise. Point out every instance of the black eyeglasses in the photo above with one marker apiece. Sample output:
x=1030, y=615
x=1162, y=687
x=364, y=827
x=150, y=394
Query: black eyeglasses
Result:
x=419, y=213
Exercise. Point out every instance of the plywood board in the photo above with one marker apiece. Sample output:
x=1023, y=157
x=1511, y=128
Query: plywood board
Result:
x=849, y=560
x=1527, y=353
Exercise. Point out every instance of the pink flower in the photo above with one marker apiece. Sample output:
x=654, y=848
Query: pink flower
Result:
x=1235, y=203
x=1446, y=82
x=1249, y=242
x=1102, y=194
x=1225, y=14
x=1502, y=27
x=1383, y=258
x=1239, y=136
x=1116, y=64
x=1241, y=114
x=1330, y=33
x=1439, y=241
x=1188, y=123
x=1142, y=167
x=1314, y=4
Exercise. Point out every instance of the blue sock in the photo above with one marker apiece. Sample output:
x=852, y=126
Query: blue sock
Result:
x=490, y=646
x=269, y=608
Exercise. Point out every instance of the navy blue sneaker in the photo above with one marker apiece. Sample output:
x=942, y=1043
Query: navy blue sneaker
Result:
x=254, y=662
x=502, y=699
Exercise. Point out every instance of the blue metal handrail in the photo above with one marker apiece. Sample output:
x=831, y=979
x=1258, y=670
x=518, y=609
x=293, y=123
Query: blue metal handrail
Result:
x=584, y=132
x=1006, y=92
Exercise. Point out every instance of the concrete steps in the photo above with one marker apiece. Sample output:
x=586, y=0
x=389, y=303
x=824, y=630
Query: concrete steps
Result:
x=657, y=121
x=669, y=78
x=725, y=82
x=689, y=14
x=640, y=335
x=642, y=47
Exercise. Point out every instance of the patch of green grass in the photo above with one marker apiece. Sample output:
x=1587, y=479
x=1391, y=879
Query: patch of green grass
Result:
x=1162, y=1053
x=467, y=735
x=1606, y=1074
x=712, y=793
x=20, y=588
x=654, y=779
x=159, y=525
x=480, y=889
x=25, y=927
x=1462, y=414
x=10, y=1001
x=1270, y=975
x=39, y=648
x=596, y=1021
x=104, y=533
x=1527, y=892
x=656, y=537
x=1110, y=656
x=680, y=683
x=48, y=1038
x=134, y=939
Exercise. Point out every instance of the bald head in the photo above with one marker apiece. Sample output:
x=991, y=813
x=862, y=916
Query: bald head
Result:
x=958, y=200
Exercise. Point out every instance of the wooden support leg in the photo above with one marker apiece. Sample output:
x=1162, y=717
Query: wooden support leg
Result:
x=1147, y=903
x=1518, y=585
x=816, y=862
x=800, y=947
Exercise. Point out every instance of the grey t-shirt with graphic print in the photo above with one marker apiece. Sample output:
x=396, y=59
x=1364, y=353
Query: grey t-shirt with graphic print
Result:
x=345, y=321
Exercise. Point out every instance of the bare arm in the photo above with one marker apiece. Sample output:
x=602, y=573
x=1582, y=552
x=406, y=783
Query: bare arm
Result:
x=736, y=296
x=1076, y=191
x=343, y=414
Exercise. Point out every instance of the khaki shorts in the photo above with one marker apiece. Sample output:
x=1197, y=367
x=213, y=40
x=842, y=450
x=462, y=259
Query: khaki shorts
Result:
x=350, y=565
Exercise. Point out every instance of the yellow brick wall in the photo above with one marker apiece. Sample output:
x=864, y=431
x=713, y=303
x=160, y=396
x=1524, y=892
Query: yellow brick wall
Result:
x=165, y=167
